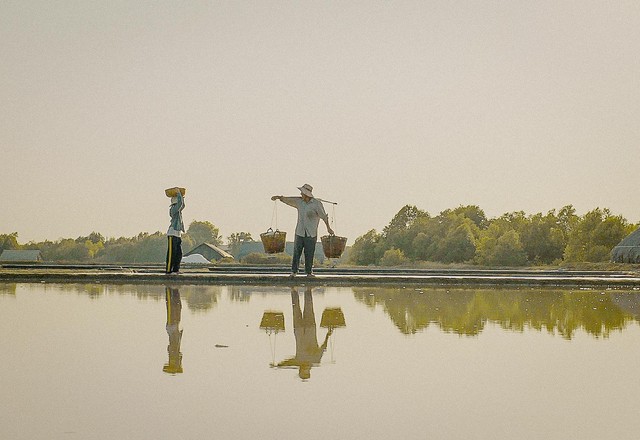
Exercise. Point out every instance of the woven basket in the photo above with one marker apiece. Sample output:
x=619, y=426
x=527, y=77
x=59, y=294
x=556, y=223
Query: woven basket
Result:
x=172, y=192
x=333, y=246
x=332, y=318
x=273, y=241
x=272, y=321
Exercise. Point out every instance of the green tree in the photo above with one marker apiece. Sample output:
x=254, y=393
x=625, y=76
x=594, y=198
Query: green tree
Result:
x=595, y=235
x=96, y=237
x=393, y=257
x=422, y=237
x=516, y=220
x=236, y=239
x=500, y=245
x=403, y=219
x=423, y=246
x=473, y=213
x=459, y=244
x=93, y=248
x=543, y=238
x=363, y=251
x=66, y=250
x=143, y=248
x=9, y=241
x=204, y=232
x=398, y=233
x=567, y=220
x=151, y=248
x=454, y=238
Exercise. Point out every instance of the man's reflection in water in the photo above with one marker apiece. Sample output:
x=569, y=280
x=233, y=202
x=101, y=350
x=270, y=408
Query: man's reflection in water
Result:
x=174, y=311
x=308, y=353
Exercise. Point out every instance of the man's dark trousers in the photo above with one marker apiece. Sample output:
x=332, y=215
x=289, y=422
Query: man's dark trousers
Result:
x=308, y=244
x=174, y=254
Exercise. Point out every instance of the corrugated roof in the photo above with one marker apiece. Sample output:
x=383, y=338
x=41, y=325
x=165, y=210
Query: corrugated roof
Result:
x=12, y=255
x=628, y=250
x=632, y=239
x=214, y=248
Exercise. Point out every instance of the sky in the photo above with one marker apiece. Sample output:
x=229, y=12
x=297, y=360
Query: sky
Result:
x=509, y=105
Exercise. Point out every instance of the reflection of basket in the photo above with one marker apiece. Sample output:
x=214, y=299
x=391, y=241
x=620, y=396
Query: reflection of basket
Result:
x=332, y=318
x=272, y=321
x=333, y=246
x=273, y=241
x=172, y=192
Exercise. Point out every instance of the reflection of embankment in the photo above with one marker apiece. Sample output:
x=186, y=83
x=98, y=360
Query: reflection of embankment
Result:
x=466, y=312
x=197, y=297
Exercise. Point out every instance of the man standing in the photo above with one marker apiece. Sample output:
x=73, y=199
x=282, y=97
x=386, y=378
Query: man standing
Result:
x=176, y=228
x=310, y=211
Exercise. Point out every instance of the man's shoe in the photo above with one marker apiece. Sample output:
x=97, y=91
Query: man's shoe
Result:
x=292, y=275
x=311, y=275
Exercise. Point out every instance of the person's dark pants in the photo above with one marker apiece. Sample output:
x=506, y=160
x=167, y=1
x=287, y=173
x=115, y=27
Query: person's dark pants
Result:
x=174, y=254
x=308, y=245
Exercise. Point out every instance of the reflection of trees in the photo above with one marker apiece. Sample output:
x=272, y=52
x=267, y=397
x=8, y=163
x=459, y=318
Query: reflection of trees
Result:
x=467, y=311
x=244, y=293
x=239, y=293
x=8, y=289
x=198, y=298
x=95, y=290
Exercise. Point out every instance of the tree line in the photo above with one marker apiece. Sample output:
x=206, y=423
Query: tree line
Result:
x=460, y=235
x=466, y=235
x=143, y=248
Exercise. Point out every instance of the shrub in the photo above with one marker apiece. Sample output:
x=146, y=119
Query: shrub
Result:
x=393, y=257
x=260, y=258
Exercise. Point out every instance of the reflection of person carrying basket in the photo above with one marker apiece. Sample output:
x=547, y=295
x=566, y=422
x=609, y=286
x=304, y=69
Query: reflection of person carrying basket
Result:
x=308, y=352
x=174, y=312
x=310, y=211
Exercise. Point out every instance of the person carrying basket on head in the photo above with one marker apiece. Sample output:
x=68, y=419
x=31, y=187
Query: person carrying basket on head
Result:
x=310, y=211
x=174, y=233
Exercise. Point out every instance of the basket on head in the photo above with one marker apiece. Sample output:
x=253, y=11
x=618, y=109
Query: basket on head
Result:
x=273, y=241
x=173, y=192
x=333, y=246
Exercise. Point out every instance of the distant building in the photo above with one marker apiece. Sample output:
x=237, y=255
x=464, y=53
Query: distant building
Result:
x=628, y=250
x=210, y=252
x=194, y=259
x=21, y=256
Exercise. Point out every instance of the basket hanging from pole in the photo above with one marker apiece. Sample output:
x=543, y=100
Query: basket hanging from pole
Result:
x=333, y=245
x=273, y=241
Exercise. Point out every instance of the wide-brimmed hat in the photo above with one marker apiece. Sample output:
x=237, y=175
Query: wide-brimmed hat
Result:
x=306, y=189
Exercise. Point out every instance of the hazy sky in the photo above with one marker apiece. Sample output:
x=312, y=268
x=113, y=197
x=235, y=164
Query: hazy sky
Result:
x=510, y=105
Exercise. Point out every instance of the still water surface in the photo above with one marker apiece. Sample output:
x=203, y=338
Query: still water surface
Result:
x=226, y=362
